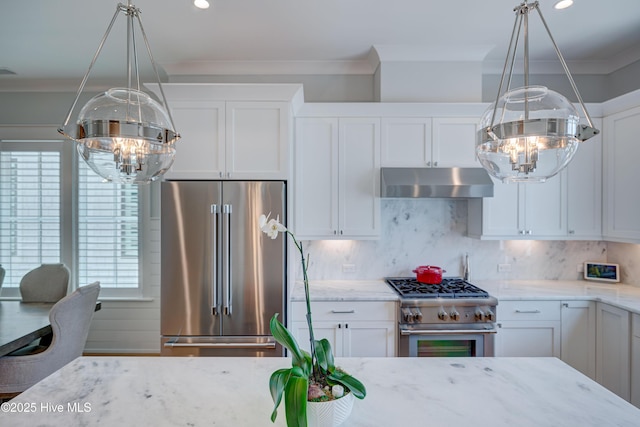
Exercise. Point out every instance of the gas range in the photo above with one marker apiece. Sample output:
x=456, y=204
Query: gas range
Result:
x=452, y=318
x=454, y=301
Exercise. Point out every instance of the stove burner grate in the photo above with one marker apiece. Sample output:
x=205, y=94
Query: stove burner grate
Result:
x=449, y=288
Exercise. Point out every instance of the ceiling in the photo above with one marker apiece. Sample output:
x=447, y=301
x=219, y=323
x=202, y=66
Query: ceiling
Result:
x=49, y=44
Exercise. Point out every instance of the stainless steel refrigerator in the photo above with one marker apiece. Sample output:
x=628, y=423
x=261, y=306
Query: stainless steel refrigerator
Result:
x=222, y=279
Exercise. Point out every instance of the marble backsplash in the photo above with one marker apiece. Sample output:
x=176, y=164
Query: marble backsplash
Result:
x=628, y=256
x=433, y=231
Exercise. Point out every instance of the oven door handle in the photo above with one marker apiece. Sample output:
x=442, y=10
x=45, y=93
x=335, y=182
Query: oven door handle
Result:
x=446, y=332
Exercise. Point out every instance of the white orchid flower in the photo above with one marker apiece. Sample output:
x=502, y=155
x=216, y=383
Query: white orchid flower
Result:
x=271, y=227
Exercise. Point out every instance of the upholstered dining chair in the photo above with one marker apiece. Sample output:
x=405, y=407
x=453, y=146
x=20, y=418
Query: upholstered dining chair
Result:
x=70, y=320
x=47, y=283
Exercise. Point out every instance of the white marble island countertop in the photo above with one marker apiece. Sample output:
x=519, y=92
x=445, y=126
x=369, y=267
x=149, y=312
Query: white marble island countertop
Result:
x=165, y=391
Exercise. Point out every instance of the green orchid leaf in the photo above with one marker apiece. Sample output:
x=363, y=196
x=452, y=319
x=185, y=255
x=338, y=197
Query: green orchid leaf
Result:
x=356, y=387
x=295, y=398
x=277, y=384
x=324, y=355
x=284, y=337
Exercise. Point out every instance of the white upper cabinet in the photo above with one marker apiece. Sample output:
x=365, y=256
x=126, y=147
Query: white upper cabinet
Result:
x=429, y=142
x=231, y=131
x=584, y=190
x=521, y=211
x=454, y=142
x=337, y=178
x=200, y=152
x=406, y=142
x=257, y=140
x=621, y=193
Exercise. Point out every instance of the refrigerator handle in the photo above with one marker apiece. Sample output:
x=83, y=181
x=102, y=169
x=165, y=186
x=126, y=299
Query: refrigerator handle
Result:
x=227, y=253
x=214, y=259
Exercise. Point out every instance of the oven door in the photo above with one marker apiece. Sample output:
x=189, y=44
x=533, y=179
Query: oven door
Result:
x=446, y=343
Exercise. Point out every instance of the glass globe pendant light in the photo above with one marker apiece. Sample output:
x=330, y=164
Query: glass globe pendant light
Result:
x=123, y=134
x=530, y=133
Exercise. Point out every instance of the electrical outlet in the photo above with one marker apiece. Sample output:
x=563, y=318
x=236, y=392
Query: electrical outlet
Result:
x=348, y=268
x=504, y=268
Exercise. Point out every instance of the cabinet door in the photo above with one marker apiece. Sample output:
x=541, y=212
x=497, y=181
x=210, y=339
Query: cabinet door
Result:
x=545, y=207
x=635, y=361
x=578, y=348
x=316, y=184
x=331, y=331
x=613, y=364
x=406, y=142
x=200, y=152
x=500, y=212
x=369, y=339
x=257, y=135
x=454, y=142
x=584, y=190
x=535, y=338
x=621, y=152
x=359, y=177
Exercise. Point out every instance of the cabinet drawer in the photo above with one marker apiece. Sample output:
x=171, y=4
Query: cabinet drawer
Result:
x=635, y=325
x=345, y=310
x=528, y=310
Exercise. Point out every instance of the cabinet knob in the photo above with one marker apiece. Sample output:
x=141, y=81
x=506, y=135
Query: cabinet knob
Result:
x=435, y=163
x=572, y=232
x=529, y=232
x=428, y=163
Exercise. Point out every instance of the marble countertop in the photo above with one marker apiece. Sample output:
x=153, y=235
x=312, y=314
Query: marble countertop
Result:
x=345, y=290
x=173, y=391
x=623, y=296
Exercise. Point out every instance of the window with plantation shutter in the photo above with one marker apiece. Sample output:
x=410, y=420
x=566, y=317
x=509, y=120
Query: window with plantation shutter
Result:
x=107, y=231
x=30, y=197
x=53, y=209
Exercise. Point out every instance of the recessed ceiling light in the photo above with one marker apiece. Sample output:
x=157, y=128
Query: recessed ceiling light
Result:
x=201, y=4
x=563, y=4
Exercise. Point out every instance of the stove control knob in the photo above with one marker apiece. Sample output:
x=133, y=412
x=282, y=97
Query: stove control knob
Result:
x=490, y=315
x=417, y=315
x=443, y=315
x=454, y=314
x=408, y=315
x=479, y=315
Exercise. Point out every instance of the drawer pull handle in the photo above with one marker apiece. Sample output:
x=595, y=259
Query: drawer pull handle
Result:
x=528, y=311
x=343, y=311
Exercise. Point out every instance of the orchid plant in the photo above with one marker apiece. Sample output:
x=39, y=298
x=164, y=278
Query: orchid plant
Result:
x=311, y=372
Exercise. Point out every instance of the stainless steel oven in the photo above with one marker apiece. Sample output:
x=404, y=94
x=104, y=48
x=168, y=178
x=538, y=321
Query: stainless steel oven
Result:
x=450, y=319
x=417, y=342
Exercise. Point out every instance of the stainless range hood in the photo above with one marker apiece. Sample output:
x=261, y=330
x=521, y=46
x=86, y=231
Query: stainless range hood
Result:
x=435, y=183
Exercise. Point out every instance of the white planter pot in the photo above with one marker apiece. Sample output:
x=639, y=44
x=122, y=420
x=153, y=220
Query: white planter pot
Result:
x=329, y=414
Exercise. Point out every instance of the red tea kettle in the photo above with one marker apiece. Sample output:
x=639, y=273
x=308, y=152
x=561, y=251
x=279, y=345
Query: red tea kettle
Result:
x=429, y=274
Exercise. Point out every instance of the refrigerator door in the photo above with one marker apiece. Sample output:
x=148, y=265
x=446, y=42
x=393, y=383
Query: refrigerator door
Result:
x=253, y=265
x=190, y=287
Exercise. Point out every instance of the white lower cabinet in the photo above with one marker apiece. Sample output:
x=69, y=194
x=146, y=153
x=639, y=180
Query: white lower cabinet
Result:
x=354, y=328
x=578, y=336
x=613, y=352
x=635, y=360
x=528, y=329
